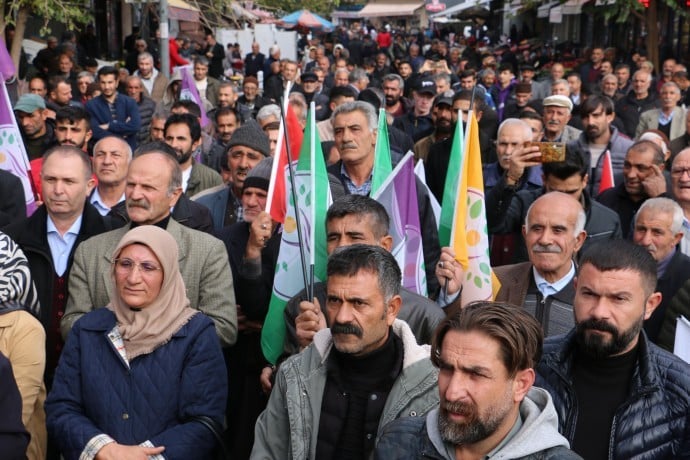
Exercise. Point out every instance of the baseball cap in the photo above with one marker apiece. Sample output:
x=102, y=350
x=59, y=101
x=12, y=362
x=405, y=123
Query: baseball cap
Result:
x=309, y=76
x=29, y=103
x=426, y=85
x=444, y=98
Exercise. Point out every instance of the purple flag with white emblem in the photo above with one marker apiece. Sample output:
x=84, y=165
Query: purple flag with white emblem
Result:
x=13, y=157
x=398, y=194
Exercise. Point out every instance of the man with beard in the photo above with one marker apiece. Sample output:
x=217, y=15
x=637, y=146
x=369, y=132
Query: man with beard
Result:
x=618, y=396
x=486, y=354
x=333, y=399
x=393, y=88
x=227, y=121
x=183, y=133
x=36, y=130
x=600, y=136
x=442, y=116
x=557, y=114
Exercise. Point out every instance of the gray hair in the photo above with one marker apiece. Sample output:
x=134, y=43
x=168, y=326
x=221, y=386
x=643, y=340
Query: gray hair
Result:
x=365, y=108
x=442, y=76
x=395, y=77
x=123, y=144
x=666, y=206
x=580, y=220
x=350, y=260
x=270, y=110
x=671, y=84
x=357, y=75
x=144, y=55
x=517, y=123
x=84, y=74
x=560, y=81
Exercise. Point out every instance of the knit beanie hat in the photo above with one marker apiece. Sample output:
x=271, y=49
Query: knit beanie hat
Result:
x=260, y=175
x=250, y=135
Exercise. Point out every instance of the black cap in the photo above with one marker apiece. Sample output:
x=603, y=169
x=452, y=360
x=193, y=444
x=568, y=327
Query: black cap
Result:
x=426, y=85
x=309, y=76
x=444, y=98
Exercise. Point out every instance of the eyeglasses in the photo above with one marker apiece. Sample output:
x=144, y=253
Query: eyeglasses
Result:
x=126, y=266
x=680, y=172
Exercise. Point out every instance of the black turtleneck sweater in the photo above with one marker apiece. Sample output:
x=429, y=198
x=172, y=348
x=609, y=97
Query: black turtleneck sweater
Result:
x=601, y=386
x=354, y=397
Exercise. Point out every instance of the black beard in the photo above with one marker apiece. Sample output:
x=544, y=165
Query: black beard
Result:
x=597, y=346
x=181, y=159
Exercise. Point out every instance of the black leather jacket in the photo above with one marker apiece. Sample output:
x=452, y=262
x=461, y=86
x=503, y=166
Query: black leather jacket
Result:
x=654, y=422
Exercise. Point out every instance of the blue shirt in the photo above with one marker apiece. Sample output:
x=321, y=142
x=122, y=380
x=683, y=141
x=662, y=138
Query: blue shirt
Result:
x=548, y=289
x=352, y=188
x=97, y=202
x=61, y=245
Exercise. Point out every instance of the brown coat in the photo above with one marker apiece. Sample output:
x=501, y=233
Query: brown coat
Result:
x=22, y=341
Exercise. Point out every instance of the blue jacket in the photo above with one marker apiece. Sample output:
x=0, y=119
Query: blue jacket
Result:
x=128, y=120
x=95, y=393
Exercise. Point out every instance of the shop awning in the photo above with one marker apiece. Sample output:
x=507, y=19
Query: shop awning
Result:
x=460, y=7
x=380, y=9
x=573, y=6
x=182, y=11
x=543, y=10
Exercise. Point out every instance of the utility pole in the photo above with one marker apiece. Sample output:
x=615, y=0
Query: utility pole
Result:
x=165, y=44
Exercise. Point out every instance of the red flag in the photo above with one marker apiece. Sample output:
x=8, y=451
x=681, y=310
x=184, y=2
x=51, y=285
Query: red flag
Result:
x=606, y=173
x=293, y=134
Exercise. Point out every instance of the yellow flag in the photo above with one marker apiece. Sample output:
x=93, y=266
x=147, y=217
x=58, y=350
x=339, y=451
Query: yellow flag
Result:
x=469, y=236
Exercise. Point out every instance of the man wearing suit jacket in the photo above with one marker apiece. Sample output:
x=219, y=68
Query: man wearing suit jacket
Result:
x=669, y=119
x=554, y=232
x=154, y=184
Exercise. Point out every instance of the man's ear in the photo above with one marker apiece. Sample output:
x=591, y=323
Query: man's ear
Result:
x=522, y=383
x=393, y=308
x=652, y=302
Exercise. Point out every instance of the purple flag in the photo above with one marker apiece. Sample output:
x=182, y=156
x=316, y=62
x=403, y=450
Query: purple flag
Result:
x=398, y=194
x=13, y=157
x=188, y=91
x=6, y=65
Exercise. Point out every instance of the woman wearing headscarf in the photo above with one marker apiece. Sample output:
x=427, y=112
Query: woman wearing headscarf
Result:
x=140, y=376
x=23, y=341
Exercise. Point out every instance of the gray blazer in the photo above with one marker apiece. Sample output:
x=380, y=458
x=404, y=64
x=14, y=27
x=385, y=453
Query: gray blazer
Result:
x=650, y=120
x=203, y=263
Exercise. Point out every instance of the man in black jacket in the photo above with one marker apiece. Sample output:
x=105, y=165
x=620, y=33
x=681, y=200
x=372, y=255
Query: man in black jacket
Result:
x=51, y=235
x=618, y=396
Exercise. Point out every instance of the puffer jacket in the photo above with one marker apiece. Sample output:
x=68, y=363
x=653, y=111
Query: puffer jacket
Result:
x=154, y=399
x=289, y=426
x=652, y=424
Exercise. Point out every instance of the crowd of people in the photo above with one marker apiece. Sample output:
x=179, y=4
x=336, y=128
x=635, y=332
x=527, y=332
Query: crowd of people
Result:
x=133, y=298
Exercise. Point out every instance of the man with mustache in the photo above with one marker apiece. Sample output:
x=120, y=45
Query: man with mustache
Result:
x=618, y=396
x=355, y=131
x=553, y=233
x=669, y=118
x=333, y=399
x=600, y=136
x=486, y=354
x=557, y=113
x=658, y=228
x=153, y=187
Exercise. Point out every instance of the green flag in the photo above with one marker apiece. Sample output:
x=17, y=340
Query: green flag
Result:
x=450, y=190
x=312, y=200
x=382, y=156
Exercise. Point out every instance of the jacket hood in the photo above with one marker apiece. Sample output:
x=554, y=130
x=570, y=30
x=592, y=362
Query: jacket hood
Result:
x=412, y=352
x=539, y=429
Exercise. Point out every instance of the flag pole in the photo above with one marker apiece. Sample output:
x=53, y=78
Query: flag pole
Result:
x=293, y=188
x=312, y=180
